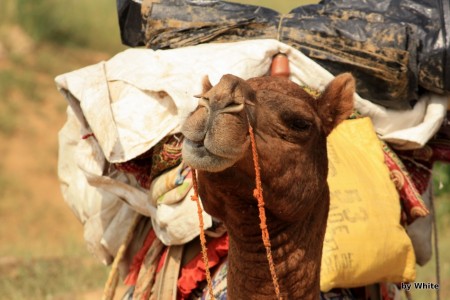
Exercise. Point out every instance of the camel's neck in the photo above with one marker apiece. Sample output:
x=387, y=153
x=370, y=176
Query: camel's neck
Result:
x=296, y=250
x=296, y=246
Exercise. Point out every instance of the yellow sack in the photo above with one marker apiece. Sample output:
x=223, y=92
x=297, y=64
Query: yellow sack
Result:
x=364, y=241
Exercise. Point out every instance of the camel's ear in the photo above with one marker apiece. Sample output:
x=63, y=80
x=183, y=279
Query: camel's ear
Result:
x=206, y=86
x=336, y=102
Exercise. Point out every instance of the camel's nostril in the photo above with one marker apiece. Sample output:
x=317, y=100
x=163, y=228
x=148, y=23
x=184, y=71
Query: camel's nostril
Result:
x=196, y=144
x=250, y=103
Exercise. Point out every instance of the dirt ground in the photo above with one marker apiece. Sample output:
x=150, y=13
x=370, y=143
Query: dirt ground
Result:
x=37, y=224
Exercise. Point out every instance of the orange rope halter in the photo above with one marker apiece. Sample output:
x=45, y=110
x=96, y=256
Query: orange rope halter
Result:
x=258, y=194
x=202, y=233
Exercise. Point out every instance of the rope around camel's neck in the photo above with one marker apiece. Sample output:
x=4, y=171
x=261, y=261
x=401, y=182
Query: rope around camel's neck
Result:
x=258, y=194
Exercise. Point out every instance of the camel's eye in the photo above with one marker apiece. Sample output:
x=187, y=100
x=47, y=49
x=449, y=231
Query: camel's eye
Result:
x=299, y=124
x=296, y=124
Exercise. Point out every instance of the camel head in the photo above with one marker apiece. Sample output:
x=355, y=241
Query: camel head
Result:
x=290, y=129
x=290, y=125
x=216, y=133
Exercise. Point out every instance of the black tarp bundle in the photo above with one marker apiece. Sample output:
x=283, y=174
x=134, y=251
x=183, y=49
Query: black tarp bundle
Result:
x=395, y=48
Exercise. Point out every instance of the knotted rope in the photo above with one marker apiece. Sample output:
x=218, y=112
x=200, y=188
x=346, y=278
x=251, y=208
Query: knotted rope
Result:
x=258, y=194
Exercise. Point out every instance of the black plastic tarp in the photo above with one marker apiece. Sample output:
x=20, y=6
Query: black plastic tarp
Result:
x=395, y=48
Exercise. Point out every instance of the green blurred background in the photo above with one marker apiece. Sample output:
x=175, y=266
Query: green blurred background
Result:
x=42, y=252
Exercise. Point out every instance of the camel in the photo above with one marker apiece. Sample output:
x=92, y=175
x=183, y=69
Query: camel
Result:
x=290, y=128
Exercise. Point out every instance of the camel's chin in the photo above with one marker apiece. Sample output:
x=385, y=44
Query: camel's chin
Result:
x=198, y=157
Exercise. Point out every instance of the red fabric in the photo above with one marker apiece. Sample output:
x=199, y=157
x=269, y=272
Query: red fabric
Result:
x=138, y=258
x=149, y=165
x=441, y=150
x=162, y=260
x=139, y=167
x=388, y=291
x=410, y=198
x=194, y=272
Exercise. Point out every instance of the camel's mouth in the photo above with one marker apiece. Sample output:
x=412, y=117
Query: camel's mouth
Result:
x=198, y=156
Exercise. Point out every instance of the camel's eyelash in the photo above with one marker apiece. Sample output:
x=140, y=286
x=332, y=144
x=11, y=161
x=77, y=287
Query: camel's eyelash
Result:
x=300, y=125
x=296, y=123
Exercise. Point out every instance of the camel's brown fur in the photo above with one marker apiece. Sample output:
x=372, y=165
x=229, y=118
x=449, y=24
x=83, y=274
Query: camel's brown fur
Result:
x=291, y=129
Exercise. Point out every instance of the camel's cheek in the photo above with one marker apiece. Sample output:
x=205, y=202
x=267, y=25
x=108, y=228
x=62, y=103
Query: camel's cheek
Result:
x=301, y=195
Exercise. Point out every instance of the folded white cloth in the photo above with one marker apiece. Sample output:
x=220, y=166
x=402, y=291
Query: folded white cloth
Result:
x=107, y=202
x=407, y=129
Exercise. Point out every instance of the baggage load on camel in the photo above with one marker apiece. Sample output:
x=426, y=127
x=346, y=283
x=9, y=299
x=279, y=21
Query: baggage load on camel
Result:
x=119, y=115
x=403, y=46
x=364, y=241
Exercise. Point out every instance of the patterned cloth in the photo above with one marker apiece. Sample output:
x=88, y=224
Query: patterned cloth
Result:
x=419, y=164
x=410, y=195
x=149, y=165
x=411, y=199
x=219, y=283
x=193, y=273
x=171, y=186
